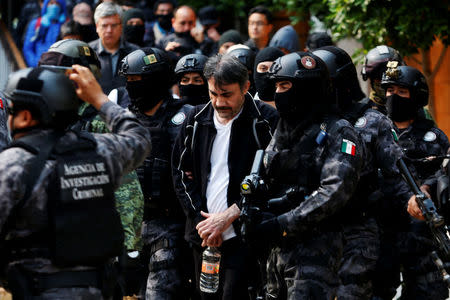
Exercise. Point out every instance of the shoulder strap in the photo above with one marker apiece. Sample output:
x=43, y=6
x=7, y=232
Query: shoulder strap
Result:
x=34, y=167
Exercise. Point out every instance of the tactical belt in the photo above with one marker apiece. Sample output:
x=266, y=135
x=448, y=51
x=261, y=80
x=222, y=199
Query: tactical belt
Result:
x=165, y=264
x=24, y=282
x=162, y=244
x=68, y=279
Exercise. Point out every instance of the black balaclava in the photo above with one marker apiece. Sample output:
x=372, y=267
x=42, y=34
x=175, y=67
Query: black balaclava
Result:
x=194, y=94
x=165, y=21
x=140, y=95
x=264, y=86
x=88, y=32
x=133, y=33
x=401, y=109
x=303, y=101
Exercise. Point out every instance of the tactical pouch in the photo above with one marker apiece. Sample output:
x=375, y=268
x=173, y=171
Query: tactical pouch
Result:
x=160, y=173
x=85, y=225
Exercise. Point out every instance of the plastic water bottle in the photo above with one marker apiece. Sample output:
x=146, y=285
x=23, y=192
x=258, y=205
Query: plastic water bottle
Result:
x=209, y=278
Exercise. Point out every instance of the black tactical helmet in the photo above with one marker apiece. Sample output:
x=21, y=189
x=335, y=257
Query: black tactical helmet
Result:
x=69, y=52
x=146, y=61
x=244, y=54
x=309, y=95
x=407, y=77
x=376, y=60
x=49, y=95
x=190, y=63
x=342, y=72
x=301, y=65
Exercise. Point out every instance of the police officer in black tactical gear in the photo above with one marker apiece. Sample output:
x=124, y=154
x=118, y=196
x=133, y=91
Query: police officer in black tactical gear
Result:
x=374, y=66
x=361, y=232
x=407, y=92
x=149, y=76
x=190, y=79
x=247, y=57
x=318, y=155
x=59, y=226
x=129, y=196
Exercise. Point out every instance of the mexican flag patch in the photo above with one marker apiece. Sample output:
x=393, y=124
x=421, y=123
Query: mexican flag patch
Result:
x=348, y=147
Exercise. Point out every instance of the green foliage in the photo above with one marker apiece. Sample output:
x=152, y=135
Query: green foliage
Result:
x=405, y=24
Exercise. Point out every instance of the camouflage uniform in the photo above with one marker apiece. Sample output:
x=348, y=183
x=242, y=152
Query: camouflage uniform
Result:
x=421, y=277
x=4, y=135
x=361, y=232
x=163, y=226
x=129, y=197
x=305, y=264
x=123, y=151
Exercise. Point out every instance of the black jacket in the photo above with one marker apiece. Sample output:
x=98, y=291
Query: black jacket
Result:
x=192, y=152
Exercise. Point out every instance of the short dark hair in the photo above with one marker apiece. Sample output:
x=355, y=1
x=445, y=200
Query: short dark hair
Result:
x=71, y=27
x=157, y=3
x=226, y=69
x=261, y=9
x=317, y=40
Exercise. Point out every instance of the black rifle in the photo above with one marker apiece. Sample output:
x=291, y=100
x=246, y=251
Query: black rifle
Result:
x=253, y=188
x=439, y=231
x=254, y=194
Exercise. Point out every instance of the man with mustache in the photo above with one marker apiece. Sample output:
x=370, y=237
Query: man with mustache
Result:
x=213, y=153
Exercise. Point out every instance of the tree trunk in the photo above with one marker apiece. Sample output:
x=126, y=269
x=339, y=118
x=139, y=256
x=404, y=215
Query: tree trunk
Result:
x=426, y=69
x=430, y=74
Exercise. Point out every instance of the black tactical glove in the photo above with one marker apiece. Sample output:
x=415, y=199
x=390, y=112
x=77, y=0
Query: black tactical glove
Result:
x=267, y=233
x=269, y=229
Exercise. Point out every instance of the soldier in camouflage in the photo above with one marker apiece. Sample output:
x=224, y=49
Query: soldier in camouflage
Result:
x=374, y=66
x=33, y=270
x=162, y=230
x=4, y=135
x=321, y=156
x=361, y=232
x=407, y=92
